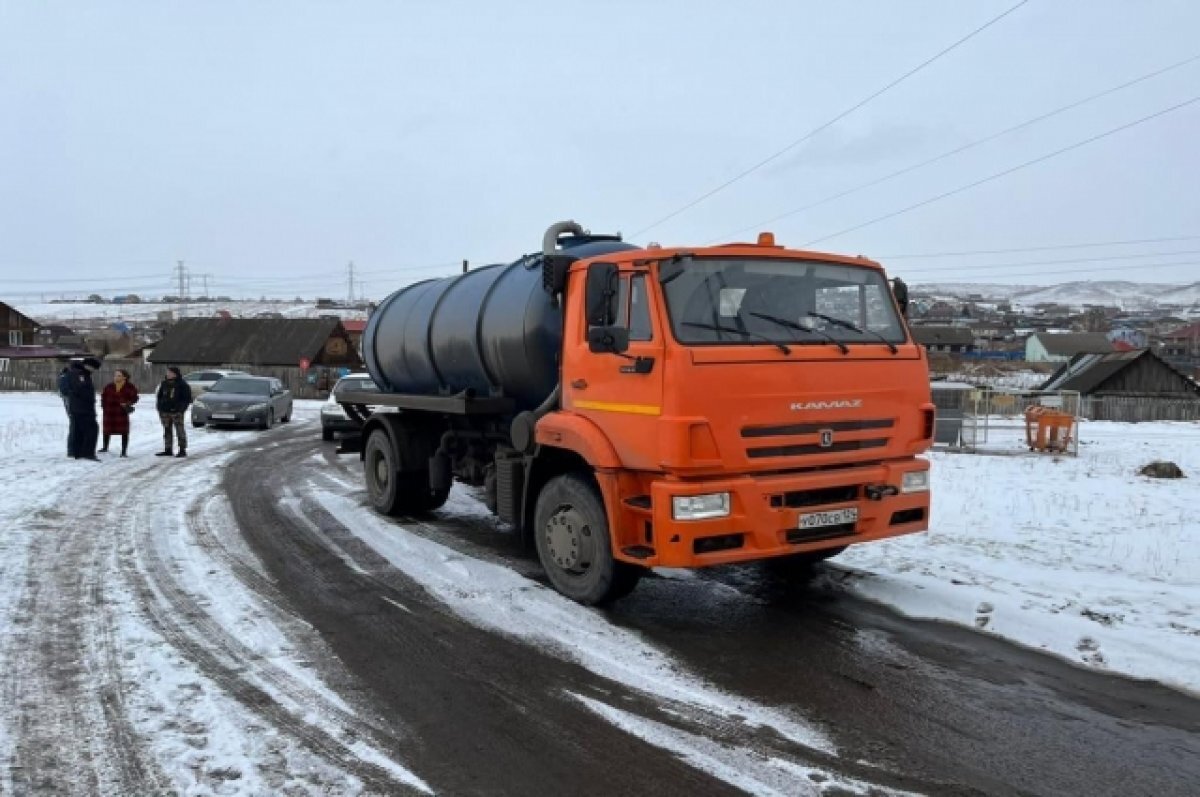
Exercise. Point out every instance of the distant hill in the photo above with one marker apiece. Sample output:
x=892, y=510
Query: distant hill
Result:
x=1114, y=293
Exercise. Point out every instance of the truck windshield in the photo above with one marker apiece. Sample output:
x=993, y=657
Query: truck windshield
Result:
x=752, y=301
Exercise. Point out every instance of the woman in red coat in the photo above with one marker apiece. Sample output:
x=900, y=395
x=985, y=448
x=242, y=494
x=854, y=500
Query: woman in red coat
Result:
x=117, y=402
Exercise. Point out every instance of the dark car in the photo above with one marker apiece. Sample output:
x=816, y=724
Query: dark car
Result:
x=243, y=401
x=333, y=417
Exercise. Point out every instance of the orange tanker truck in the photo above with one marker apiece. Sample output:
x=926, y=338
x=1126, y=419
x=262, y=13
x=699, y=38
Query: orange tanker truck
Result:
x=627, y=408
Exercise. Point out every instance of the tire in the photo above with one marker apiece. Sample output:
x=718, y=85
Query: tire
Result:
x=327, y=435
x=288, y=417
x=571, y=534
x=197, y=424
x=269, y=420
x=390, y=490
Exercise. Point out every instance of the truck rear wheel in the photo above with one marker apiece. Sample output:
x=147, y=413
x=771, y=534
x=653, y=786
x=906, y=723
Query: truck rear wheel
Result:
x=391, y=490
x=571, y=534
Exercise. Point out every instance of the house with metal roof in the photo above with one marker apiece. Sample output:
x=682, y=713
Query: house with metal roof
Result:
x=263, y=342
x=944, y=339
x=1046, y=347
x=1129, y=385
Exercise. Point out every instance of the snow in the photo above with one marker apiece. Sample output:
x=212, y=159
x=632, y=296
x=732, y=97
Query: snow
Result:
x=66, y=312
x=753, y=773
x=1113, y=293
x=165, y=589
x=1080, y=557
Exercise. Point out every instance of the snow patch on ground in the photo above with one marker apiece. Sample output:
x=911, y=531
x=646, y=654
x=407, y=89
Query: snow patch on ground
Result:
x=1081, y=557
x=494, y=597
x=753, y=773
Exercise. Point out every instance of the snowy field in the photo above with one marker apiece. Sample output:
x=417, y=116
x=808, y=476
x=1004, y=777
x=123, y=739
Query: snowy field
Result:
x=66, y=312
x=1080, y=557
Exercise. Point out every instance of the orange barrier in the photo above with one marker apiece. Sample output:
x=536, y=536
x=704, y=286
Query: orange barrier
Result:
x=1048, y=429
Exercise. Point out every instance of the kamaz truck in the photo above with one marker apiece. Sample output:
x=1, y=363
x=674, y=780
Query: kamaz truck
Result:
x=627, y=407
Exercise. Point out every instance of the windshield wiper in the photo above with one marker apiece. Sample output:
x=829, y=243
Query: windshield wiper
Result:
x=838, y=322
x=783, y=347
x=800, y=328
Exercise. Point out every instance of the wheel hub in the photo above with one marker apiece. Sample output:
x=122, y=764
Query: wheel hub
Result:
x=568, y=539
x=382, y=473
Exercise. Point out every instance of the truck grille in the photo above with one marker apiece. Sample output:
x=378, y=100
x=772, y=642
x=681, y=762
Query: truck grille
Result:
x=828, y=495
x=814, y=430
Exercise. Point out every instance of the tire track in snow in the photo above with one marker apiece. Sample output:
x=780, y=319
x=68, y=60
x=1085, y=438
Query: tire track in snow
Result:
x=315, y=719
x=696, y=711
x=74, y=735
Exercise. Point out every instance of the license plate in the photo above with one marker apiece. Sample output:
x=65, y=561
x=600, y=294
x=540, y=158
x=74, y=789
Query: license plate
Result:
x=224, y=416
x=832, y=517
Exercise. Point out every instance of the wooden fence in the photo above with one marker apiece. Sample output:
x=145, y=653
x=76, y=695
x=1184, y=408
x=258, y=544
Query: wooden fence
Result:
x=42, y=375
x=1135, y=409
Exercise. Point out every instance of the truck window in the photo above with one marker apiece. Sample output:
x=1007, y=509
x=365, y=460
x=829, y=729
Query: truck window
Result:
x=633, y=307
x=744, y=301
x=639, y=310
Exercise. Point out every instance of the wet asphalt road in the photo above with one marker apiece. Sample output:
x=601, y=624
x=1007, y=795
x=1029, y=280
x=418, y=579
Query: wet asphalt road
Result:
x=912, y=705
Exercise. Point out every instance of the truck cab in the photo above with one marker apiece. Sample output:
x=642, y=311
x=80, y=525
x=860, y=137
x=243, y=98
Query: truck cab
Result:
x=742, y=402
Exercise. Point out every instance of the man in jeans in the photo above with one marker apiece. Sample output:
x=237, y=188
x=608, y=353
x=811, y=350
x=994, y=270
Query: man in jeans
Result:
x=174, y=396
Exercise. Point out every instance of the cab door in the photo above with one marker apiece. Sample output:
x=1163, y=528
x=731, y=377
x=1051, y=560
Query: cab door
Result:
x=620, y=391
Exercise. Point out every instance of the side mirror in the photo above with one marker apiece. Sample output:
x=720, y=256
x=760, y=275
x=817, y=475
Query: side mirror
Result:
x=900, y=291
x=600, y=294
x=611, y=340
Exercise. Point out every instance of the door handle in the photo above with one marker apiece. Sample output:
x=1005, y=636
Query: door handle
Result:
x=579, y=384
x=640, y=365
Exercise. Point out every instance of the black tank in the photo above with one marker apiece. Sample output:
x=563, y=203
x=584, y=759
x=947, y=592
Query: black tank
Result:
x=493, y=331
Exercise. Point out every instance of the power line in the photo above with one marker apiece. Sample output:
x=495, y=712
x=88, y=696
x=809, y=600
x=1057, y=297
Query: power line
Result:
x=962, y=148
x=1004, y=173
x=831, y=122
x=1038, y=248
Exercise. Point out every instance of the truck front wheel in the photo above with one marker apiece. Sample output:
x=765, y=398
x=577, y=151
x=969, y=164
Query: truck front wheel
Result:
x=571, y=533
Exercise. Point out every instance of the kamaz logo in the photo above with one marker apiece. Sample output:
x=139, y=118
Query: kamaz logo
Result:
x=838, y=404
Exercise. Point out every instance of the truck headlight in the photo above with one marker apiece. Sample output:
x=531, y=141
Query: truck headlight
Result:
x=200, y=405
x=915, y=481
x=700, y=507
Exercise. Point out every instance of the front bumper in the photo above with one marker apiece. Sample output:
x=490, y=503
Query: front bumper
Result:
x=764, y=518
x=213, y=417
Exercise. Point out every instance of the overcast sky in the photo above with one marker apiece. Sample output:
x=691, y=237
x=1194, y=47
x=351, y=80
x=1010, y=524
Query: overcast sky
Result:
x=269, y=143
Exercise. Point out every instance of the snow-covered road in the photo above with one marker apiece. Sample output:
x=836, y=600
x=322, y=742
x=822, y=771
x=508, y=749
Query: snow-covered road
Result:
x=239, y=623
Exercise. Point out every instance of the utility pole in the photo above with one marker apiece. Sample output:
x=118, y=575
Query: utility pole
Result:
x=466, y=266
x=205, y=278
x=350, y=279
x=181, y=273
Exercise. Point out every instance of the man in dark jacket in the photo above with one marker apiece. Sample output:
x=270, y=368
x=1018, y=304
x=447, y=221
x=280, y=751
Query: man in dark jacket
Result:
x=174, y=397
x=81, y=403
x=64, y=390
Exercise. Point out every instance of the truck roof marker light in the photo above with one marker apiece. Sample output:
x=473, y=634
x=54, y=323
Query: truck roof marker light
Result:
x=766, y=239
